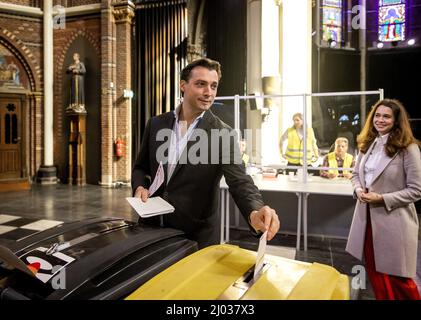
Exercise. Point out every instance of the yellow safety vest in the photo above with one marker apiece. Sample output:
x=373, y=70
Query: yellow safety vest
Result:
x=331, y=158
x=245, y=157
x=294, y=152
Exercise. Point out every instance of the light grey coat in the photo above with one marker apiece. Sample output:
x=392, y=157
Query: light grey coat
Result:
x=394, y=223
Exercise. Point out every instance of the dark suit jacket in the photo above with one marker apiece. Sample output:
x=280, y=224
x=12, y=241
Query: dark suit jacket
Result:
x=194, y=188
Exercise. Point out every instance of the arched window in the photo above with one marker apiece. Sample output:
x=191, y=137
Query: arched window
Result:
x=391, y=20
x=7, y=125
x=10, y=125
x=332, y=20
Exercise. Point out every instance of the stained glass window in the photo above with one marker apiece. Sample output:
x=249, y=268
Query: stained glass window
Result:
x=389, y=2
x=391, y=20
x=333, y=3
x=332, y=20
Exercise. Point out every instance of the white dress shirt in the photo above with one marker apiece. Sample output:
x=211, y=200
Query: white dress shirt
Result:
x=179, y=137
x=376, y=155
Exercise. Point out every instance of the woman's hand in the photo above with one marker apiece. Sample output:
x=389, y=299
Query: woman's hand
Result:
x=359, y=193
x=371, y=197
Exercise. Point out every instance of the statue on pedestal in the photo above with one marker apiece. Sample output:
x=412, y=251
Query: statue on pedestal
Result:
x=77, y=92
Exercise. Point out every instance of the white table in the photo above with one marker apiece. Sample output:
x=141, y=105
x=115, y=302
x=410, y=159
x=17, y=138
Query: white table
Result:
x=314, y=185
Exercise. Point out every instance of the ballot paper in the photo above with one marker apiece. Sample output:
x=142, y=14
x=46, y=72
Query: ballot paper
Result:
x=152, y=207
x=158, y=180
x=260, y=255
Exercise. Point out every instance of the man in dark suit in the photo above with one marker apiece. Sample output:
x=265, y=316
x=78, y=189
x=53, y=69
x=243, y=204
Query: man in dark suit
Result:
x=196, y=148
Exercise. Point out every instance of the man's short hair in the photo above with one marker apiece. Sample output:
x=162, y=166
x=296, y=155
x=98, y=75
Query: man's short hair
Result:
x=203, y=62
x=341, y=139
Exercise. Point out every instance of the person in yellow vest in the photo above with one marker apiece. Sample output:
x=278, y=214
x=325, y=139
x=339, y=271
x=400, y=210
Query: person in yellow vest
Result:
x=244, y=156
x=295, y=148
x=338, y=159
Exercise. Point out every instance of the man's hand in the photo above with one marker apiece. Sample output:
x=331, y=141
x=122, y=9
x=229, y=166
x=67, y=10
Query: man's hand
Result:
x=331, y=175
x=142, y=193
x=265, y=219
x=348, y=175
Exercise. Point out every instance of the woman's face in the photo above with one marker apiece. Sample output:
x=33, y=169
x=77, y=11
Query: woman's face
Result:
x=383, y=120
x=298, y=123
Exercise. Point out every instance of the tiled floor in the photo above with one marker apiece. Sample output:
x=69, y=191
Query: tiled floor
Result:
x=25, y=212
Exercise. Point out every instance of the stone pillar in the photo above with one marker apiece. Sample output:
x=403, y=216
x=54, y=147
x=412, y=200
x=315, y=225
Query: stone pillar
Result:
x=296, y=57
x=47, y=174
x=123, y=15
x=107, y=92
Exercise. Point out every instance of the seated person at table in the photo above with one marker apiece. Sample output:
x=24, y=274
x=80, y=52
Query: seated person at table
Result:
x=338, y=159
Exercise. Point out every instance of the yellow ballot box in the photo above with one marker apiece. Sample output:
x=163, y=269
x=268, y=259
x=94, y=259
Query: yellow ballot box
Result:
x=227, y=272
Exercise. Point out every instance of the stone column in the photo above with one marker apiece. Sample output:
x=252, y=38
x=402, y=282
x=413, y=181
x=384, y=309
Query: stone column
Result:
x=107, y=92
x=123, y=15
x=47, y=174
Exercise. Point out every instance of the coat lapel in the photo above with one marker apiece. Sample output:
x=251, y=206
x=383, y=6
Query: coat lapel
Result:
x=362, y=164
x=382, y=165
x=380, y=168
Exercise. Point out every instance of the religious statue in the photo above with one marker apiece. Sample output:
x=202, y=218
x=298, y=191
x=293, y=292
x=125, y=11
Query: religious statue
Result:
x=77, y=92
x=15, y=72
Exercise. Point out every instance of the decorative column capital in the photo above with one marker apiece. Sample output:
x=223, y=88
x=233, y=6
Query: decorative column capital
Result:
x=194, y=51
x=124, y=12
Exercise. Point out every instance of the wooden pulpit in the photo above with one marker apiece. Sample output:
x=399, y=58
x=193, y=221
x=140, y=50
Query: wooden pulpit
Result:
x=77, y=148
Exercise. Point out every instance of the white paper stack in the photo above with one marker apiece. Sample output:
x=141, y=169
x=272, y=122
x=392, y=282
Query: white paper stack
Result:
x=152, y=207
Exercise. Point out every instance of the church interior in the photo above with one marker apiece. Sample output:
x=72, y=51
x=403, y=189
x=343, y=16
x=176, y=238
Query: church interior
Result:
x=80, y=79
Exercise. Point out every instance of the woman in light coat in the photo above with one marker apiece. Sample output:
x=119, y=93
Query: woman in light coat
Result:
x=387, y=182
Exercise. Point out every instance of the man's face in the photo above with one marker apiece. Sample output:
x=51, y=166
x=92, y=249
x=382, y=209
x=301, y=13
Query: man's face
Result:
x=200, y=90
x=341, y=148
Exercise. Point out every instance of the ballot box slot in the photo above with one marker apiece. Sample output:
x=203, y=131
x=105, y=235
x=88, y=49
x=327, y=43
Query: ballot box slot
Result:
x=239, y=287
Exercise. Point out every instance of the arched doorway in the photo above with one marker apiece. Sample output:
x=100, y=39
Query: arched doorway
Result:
x=14, y=90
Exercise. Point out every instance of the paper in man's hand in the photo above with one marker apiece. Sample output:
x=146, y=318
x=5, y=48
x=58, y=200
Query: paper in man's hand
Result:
x=158, y=180
x=260, y=255
x=152, y=207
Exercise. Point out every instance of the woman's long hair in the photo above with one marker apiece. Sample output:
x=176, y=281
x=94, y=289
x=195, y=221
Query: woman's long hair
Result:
x=400, y=136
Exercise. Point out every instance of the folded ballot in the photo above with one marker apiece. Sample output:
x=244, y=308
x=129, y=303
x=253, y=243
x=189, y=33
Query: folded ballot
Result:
x=152, y=207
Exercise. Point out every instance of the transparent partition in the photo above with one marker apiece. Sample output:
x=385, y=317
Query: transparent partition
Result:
x=337, y=119
x=224, y=109
x=272, y=136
